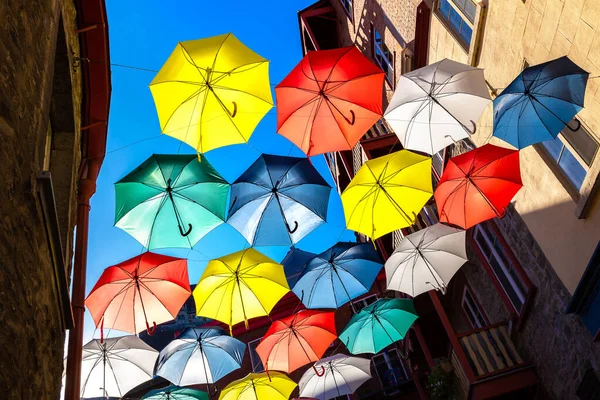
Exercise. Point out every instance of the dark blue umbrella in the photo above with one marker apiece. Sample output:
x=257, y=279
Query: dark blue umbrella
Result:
x=278, y=201
x=540, y=102
x=334, y=277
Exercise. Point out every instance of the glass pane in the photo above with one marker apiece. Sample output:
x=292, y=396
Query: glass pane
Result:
x=482, y=243
x=466, y=33
x=455, y=20
x=572, y=168
x=582, y=142
x=554, y=147
x=470, y=9
x=445, y=7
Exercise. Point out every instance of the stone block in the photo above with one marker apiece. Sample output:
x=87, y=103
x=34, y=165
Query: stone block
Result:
x=591, y=13
x=570, y=18
x=560, y=46
x=582, y=43
x=549, y=24
x=532, y=28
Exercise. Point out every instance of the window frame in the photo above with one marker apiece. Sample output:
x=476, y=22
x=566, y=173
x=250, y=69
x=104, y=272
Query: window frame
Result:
x=465, y=19
x=392, y=63
x=392, y=389
x=349, y=13
x=361, y=300
x=475, y=304
x=252, y=352
x=530, y=289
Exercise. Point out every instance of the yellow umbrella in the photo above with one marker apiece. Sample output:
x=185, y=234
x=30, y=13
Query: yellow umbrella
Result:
x=212, y=92
x=260, y=387
x=240, y=286
x=387, y=193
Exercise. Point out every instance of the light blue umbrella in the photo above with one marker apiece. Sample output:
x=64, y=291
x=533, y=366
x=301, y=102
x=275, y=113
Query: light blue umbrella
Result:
x=200, y=356
x=336, y=276
x=540, y=102
x=378, y=325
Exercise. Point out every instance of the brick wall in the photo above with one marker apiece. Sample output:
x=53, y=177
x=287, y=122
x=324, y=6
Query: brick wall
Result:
x=31, y=337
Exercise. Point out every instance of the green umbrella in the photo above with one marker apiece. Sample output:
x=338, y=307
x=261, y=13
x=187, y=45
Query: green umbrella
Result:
x=175, y=393
x=377, y=326
x=171, y=201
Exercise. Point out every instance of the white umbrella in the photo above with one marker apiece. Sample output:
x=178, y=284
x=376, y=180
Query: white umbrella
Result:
x=116, y=366
x=436, y=105
x=426, y=260
x=342, y=375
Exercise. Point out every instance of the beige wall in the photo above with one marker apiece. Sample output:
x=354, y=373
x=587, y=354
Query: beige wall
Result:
x=540, y=30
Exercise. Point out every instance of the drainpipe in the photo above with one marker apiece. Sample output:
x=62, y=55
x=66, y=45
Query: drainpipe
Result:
x=87, y=187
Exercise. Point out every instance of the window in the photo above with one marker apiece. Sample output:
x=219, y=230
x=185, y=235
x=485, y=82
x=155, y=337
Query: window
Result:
x=460, y=15
x=348, y=7
x=358, y=305
x=572, y=153
x=384, y=57
x=496, y=255
x=438, y=162
x=257, y=365
x=472, y=310
x=390, y=370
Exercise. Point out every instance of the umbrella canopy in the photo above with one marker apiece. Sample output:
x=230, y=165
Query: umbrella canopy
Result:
x=275, y=386
x=478, y=185
x=343, y=375
x=147, y=288
x=171, y=201
x=296, y=340
x=540, y=102
x=387, y=193
x=426, y=260
x=329, y=100
x=115, y=366
x=336, y=276
x=212, y=92
x=200, y=356
x=436, y=105
x=378, y=325
x=176, y=393
x=240, y=286
x=278, y=201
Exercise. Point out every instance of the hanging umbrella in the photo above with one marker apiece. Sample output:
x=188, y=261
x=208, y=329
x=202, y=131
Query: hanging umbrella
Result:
x=478, y=185
x=278, y=201
x=297, y=340
x=176, y=393
x=378, y=325
x=426, y=260
x=240, y=286
x=115, y=366
x=336, y=276
x=387, y=193
x=274, y=386
x=200, y=356
x=212, y=92
x=329, y=100
x=171, y=201
x=343, y=375
x=149, y=287
x=436, y=105
x=540, y=102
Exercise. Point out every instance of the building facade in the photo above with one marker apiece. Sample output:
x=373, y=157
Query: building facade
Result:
x=53, y=142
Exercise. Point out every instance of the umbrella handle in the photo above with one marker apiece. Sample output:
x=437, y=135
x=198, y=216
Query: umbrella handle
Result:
x=150, y=330
x=234, y=109
x=353, y=117
x=212, y=393
x=185, y=233
x=575, y=129
x=319, y=373
x=295, y=227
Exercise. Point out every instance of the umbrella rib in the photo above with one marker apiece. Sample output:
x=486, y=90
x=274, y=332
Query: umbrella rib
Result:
x=241, y=91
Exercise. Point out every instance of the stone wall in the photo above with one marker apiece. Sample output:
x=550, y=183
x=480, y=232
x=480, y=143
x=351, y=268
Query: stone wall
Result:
x=31, y=335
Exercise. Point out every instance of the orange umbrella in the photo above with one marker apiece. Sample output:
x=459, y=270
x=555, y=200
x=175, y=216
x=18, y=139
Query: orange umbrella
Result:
x=297, y=340
x=329, y=100
x=149, y=287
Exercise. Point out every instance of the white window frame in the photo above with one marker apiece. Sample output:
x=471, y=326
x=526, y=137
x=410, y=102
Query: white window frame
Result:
x=466, y=20
x=253, y=353
x=485, y=233
x=362, y=300
x=377, y=47
x=474, y=313
x=385, y=355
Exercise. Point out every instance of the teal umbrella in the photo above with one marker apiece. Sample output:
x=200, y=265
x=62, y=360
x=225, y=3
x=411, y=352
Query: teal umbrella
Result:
x=175, y=393
x=377, y=326
x=171, y=201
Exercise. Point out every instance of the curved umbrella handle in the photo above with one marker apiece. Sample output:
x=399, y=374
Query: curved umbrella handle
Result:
x=474, y=127
x=211, y=393
x=294, y=229
x=150, y=330
x=185, y=233
x=578, y=125
x=353, y=117
x=234, y=109
x=319, y=373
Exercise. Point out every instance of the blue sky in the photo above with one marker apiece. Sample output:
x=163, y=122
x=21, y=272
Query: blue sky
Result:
x=143, y=34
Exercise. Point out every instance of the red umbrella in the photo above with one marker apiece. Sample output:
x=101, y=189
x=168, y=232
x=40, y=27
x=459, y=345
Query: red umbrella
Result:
x=478, y=185
x=297, y=340
x=329, y=100
x=149, y=287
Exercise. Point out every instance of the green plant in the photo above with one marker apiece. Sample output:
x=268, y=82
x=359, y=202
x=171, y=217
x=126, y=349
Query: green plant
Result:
x=440, y=385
